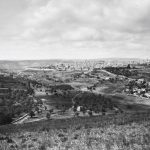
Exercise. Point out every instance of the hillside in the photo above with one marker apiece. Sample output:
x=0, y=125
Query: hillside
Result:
x=22, y=64
x=108, y=132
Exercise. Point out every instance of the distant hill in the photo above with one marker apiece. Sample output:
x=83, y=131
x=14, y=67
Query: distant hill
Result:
x=23, y=64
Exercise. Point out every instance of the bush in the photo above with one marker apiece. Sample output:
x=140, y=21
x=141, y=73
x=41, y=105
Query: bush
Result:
x=5, y=119
x=48, y=115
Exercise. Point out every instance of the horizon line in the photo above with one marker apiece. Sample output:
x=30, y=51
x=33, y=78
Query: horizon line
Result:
x=74, y=59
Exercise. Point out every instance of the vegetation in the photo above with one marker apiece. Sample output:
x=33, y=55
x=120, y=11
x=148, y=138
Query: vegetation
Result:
x=62, y=87
x=108, y=132
x=16, y=102
x=93, y=102
x=125, y=71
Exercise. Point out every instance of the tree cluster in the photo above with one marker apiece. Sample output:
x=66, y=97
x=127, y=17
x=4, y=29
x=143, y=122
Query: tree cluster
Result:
x=94, y=102
x=125, y=71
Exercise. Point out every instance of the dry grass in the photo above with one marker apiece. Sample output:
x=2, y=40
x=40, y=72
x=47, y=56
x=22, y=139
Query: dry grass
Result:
x=119, y=132
x=126, y=137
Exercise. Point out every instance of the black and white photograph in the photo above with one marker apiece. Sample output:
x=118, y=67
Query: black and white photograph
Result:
x=74, y=74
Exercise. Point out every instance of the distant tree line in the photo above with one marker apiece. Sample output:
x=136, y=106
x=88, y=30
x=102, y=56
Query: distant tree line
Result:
x=125, y=71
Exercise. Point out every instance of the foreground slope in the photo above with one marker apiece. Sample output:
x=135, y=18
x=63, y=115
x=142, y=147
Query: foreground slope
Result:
x=120, y=132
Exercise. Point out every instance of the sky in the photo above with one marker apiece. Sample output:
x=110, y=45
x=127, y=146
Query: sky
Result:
x=74, y=29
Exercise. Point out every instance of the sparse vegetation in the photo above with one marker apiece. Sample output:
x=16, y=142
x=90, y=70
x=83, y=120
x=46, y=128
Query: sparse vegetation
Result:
x=130, y=132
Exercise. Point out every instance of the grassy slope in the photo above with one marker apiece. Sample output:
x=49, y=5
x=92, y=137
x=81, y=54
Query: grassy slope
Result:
x=122, y=132
x=126, y=131
x=108, y=133
x=95, y=121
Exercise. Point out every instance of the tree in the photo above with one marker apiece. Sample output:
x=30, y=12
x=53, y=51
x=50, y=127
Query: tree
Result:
x=103, y=111
x=51, y=111
x=83, y=109
x=31, y=91
x=90, y=112
x=5, y=118
x=37, y=109
x=32, y=114
x=128, y=67
x=48, y=115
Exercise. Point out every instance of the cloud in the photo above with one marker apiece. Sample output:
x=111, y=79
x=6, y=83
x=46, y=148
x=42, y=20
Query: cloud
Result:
x=84, y=20
x=87, y=25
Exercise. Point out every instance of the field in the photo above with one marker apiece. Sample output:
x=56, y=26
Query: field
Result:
x=121, y=132
x=110, y=88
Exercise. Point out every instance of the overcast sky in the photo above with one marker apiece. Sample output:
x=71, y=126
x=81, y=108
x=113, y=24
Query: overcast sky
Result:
x=43, y=29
